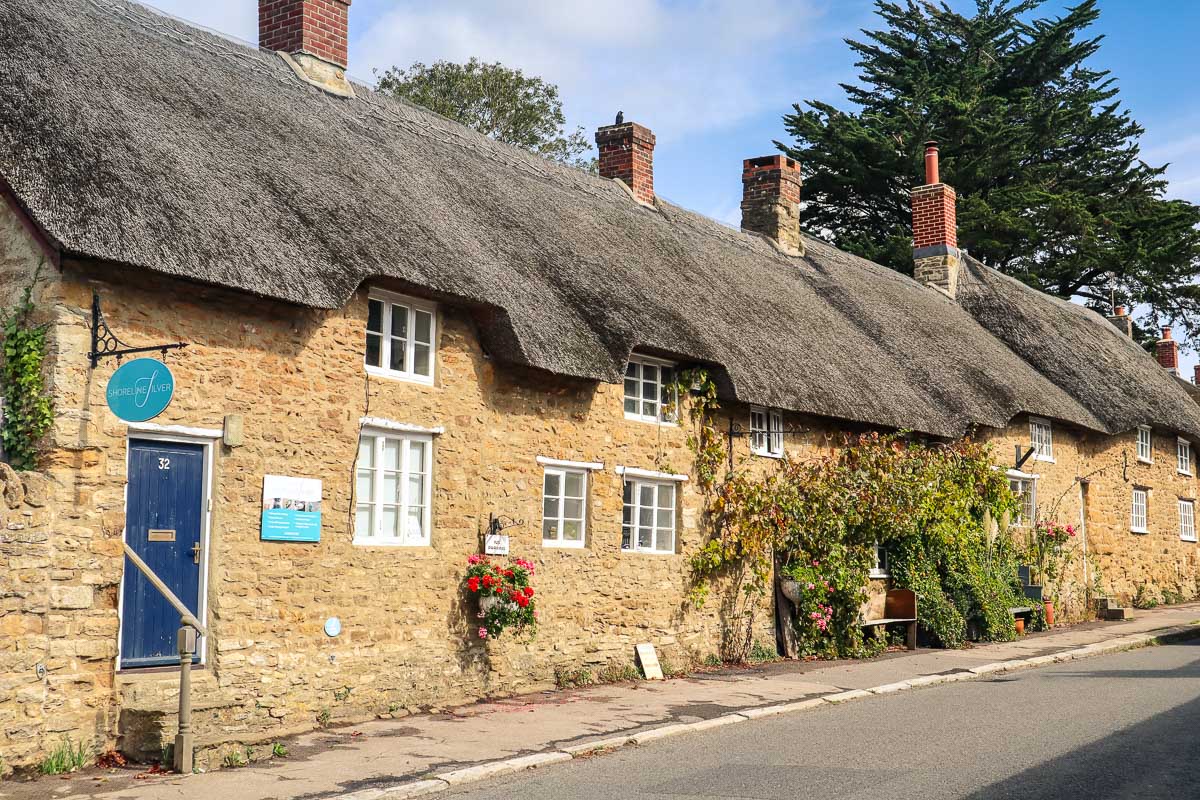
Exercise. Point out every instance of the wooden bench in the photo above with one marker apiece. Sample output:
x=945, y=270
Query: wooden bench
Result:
x=899, y=608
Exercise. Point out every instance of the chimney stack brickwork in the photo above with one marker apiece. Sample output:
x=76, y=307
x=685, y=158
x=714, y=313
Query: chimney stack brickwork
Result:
x=1167, y=350
x=627, y=152
x=1196, y=374
x=1122, y=321
x=936, y=260
x=771, y=200
x=316, y=27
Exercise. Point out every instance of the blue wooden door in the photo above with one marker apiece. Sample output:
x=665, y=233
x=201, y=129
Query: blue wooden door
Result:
x=163, y=520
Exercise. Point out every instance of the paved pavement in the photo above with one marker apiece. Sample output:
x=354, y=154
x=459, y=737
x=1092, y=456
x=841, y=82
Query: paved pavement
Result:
x=1119, y=726
x=387, y=754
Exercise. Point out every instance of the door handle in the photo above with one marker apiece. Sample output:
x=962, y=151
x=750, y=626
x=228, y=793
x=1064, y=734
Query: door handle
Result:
x=196, y=553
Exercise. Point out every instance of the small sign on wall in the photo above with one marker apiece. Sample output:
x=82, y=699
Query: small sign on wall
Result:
x=291, y=509
x=648, y=658
x=495, y=544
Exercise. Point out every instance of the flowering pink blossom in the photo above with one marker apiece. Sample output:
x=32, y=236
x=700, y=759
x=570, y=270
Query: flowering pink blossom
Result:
x=811, y=586
x=483, y=633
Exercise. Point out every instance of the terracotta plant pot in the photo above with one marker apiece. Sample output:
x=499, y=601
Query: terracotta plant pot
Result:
x=1049, y=613
x=1020, y=622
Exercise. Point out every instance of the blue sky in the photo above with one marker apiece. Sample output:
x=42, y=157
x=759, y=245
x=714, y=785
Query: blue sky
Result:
x=713, y=78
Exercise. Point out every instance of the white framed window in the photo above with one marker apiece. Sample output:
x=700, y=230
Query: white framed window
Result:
x=399, y=337
x=564, y=507
x=1144, y=451
x=1025, y=488
x=880, y=567
x=1183, y=456
x=648, y=516
x=392, y=489
x=766, y=432
x=1138, y=518
x=1041, y=440
x=649, y=390
x=1187, y=520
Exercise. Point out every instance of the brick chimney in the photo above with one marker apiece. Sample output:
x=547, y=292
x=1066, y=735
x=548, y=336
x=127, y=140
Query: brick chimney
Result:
x=771, y=200
x=1196, y=374
x=627, y=152
x=936, y=258
x=312, y=36
x=1167, y=351
x=1122, y=321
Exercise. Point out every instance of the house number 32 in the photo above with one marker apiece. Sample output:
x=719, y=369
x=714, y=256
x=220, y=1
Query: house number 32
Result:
x=164, y=463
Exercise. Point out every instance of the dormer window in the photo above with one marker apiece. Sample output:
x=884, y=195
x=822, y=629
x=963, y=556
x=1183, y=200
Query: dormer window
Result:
x=1041, y=440
x=399, y=337
x=650, y=390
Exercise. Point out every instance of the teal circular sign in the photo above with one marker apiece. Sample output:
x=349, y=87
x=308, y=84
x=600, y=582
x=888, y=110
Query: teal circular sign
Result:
x=140, y=390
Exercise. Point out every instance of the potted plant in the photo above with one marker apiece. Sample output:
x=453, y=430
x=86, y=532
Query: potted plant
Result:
x=503, y=594
x=1046, y=551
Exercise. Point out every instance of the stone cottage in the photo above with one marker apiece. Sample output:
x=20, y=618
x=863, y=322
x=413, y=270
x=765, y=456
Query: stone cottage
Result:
x=446, y=331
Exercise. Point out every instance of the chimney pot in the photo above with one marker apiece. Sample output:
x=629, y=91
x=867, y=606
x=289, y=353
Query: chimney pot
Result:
x=931, y=163
x=1196, y=374
x=771, y=200
x=627, y=152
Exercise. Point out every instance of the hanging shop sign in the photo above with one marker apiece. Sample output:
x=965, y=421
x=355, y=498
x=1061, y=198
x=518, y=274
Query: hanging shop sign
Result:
x=291, y=509
x=140, y=390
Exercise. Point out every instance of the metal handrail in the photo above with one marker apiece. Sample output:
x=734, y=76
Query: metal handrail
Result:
x=184, y=744
x=185, y=616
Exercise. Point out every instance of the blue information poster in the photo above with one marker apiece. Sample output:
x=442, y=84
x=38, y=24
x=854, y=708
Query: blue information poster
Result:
x=291, y=509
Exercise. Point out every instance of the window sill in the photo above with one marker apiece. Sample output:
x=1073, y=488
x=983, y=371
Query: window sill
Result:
x=1047, y=459
x=876, y=575
x=1139, y=531
x=666, y=423
x=1185, y=474
x=385, y=543
x=765, y=454
x=1144, y=460
x=563, y=545
x=400, y=377
x=1189, y=541
x=638, y=552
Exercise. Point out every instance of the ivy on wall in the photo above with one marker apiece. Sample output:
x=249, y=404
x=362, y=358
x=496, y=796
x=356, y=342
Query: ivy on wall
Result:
x=28, y=408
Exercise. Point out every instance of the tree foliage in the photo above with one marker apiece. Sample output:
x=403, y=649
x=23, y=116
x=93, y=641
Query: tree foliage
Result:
x=1045, y=160
x=497, y=101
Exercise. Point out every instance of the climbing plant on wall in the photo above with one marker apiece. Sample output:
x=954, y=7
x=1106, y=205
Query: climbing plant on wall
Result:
x=28, y=409
x=818, y=520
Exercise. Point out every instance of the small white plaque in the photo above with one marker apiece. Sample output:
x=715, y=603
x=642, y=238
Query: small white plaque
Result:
x=648, y=658
x=496, y=544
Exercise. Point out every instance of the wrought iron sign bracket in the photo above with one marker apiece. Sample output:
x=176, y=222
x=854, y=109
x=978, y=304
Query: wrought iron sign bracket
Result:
x=502, y=522
x=105, y=343
x=736, y=429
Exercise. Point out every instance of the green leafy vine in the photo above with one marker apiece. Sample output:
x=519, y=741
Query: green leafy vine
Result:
x=28, y=408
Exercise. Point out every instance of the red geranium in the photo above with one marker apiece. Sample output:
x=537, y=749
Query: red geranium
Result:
x=473, y=584
x=505, y=596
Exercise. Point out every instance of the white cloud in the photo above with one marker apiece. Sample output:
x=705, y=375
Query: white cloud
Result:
x=677, y=68
x=1178, y=145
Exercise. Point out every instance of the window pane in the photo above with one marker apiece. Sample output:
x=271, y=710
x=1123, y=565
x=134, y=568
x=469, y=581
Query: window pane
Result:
x=632, y=370
x=390, y=522
x=631, y=405
x=391, y=454
x=574, y=486
x=416, y=490
x=416, y=524
x=374, y=355
x=550, y=508
x=572, y=531
x=391, y=487
x=646, y=496
x=627, y=492
x=363, y=522
x=666, y=541
x=549, y=529
x=552, y=485
x=364, y=487
x=396, y=356
x=666, y=496
x=416, y=456
x=424, y=327
x=626, y=537
x=573, y=509
x=366, y=452
x=375, y=316
x=399, y=322
x=666, y=519
x=645, y=532
x=649, y=409
x=421, y=361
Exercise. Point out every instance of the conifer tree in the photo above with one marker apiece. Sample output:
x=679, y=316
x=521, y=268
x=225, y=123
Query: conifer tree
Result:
x=1045, y=160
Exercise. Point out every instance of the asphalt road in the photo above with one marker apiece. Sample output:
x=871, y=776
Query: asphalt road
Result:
x=1121, y=726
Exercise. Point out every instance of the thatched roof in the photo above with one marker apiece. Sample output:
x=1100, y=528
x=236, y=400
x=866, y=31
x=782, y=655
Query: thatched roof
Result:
x=135, y=139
